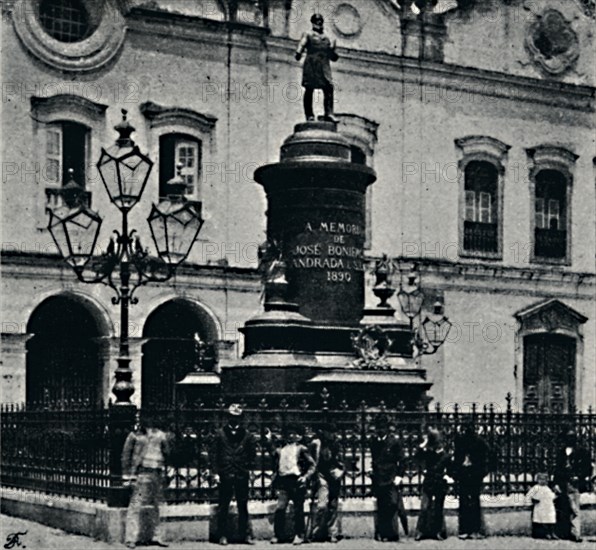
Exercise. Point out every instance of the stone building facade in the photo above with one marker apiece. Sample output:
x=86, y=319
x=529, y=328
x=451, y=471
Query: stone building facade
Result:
x=478, y=118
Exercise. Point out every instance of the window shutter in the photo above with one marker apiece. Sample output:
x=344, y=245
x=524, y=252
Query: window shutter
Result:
x=167, y=161
x=485, y=207
x=470, y=206
x=187, y=155
x=74, y=152
x=53, y=169
x=539, y=213
x=553, y=214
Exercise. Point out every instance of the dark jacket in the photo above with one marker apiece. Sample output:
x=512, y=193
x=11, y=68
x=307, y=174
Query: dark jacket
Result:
x=573, y=471
x=435, y=466
x=327, y=456
x=233, y=454
x=470, y=458
x=387, y=460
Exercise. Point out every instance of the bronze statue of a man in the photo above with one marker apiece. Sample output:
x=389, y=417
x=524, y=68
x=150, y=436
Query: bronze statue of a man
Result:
x=316, y=75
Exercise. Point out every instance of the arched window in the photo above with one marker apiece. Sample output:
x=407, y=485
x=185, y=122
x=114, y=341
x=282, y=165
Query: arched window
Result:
x=551, y=183
x=481, y=216
x=481, y=169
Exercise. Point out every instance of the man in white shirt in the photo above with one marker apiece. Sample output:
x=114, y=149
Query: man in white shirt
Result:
x=294, y=468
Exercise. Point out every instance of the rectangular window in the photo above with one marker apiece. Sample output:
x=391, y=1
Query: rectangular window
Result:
x=178, y=150
x=66, y=149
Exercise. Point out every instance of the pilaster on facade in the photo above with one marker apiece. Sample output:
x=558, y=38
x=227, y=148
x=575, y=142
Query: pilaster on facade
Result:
x=13, y=366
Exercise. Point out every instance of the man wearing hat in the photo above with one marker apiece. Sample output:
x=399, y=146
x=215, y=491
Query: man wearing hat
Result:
x=316, y=73
x=471, y=463
x=388, y=468
x=573, y=468
x=232, y=457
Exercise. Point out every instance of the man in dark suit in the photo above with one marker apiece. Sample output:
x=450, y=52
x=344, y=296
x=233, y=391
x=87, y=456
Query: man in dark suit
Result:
x=572, y=472
x=471, y=463
x=388, y=469
x=232, y=457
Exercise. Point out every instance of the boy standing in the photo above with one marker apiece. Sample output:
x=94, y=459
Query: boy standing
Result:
x=544, y=515
x=294, y=467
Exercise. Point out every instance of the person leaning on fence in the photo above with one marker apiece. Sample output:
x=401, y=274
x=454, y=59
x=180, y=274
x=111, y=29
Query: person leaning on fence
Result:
x=388, y=469
x=544, y=515
x=232, y=457
x=294, y=466
x=436, y=463
x=326, y=452
x=571, y=477
x=143, y=465
x=471, y=463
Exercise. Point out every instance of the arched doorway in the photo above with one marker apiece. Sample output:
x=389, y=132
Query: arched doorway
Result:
x=65, y=355
x=549, y=373
x=171, y=351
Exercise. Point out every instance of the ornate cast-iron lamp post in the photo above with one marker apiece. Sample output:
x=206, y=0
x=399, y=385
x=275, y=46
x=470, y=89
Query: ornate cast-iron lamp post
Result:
x=175, y=224
x=428, y=334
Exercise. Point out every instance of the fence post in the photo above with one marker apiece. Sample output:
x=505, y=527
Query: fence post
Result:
x=508, y=445
x=121, y=420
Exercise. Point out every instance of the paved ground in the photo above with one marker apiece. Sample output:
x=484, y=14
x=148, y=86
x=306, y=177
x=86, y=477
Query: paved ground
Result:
x=40, y=537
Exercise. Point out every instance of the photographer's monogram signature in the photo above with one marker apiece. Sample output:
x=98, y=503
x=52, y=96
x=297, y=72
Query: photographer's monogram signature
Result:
x=13, y=540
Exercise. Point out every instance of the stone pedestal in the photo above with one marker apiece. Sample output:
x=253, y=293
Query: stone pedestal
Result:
x=316, y=211
x=314, y=298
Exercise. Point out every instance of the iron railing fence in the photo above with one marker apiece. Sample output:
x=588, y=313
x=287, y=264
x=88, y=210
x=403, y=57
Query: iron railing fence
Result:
x=56, y=451
x=72, y=452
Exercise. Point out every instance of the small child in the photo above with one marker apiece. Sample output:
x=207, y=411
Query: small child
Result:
x=544, y=515
x=294, y=467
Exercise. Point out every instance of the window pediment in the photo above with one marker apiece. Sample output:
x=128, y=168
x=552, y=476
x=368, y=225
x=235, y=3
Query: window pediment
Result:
x=550, y=316
x=46, y=109
x=483, y=147
x=160, y=116
x=551, y=156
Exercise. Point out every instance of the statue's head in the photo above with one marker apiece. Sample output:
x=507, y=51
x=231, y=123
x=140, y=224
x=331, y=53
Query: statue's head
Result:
x=317, y=21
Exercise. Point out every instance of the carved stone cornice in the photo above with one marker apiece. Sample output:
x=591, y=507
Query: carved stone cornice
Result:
x=551, y=316
x=159, y=115
x=551, y=156
x=44, y=108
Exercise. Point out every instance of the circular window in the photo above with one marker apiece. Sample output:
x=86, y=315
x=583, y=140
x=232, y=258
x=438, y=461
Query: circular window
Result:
x=67, y=20
x=71, y=35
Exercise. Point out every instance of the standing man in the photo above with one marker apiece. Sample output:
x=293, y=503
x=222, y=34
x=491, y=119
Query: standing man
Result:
x=293, y=468
x=388, y=468
x=435, y=461
x=470, y=466
x=572, y=472
x=330, y=469
x=232, y=457
x=143, y=465
x=316, y=75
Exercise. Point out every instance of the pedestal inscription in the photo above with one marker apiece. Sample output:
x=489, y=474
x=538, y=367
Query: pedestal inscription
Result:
x=317, y=212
